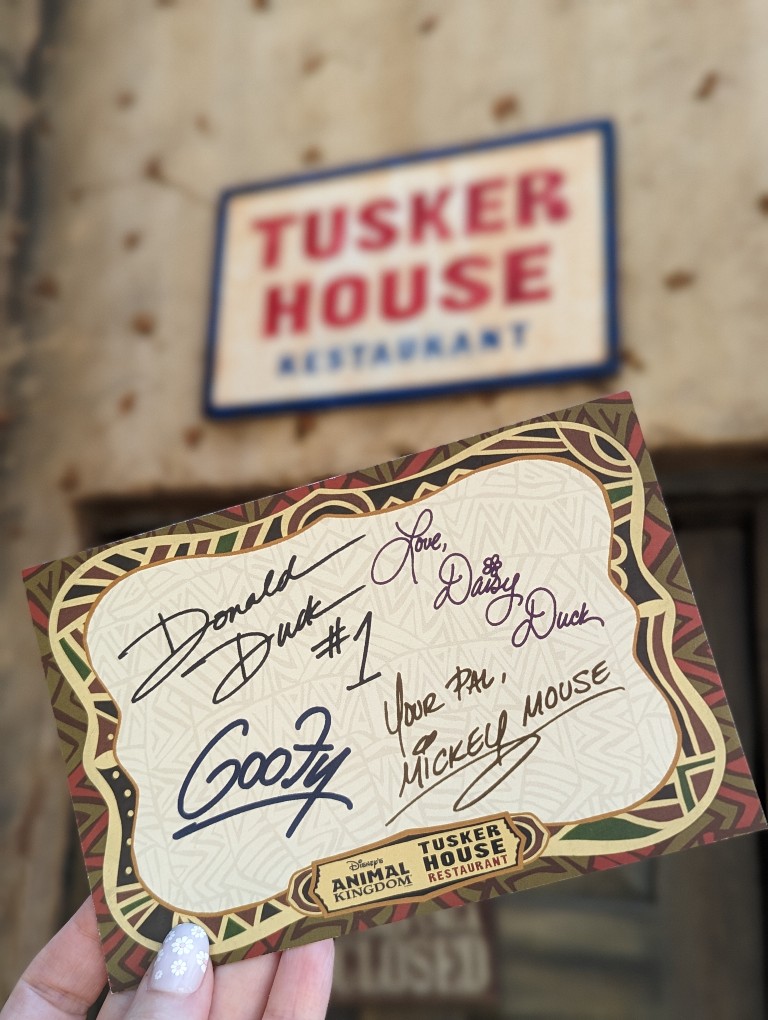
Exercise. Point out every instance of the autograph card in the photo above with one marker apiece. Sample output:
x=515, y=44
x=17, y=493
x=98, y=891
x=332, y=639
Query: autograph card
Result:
x=472, y=670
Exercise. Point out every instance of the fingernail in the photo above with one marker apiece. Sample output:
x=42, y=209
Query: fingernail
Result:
x=181, y=964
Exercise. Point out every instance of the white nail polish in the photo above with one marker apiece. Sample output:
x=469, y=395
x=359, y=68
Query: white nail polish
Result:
x=181, y=964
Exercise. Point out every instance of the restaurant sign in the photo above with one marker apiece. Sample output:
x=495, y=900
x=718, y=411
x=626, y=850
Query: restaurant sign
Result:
x=486, y=265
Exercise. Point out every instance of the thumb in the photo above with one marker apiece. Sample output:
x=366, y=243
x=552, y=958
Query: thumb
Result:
x=179, y=984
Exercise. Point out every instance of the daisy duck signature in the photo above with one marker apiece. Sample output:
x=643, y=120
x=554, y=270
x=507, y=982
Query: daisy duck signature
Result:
x=460, y=583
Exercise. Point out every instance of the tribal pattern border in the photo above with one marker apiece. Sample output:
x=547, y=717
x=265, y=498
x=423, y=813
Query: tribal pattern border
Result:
x=707, y=793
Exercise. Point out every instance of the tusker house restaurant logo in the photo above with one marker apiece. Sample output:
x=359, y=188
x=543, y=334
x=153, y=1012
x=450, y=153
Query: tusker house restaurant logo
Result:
x=421, y=864
x=476, y=266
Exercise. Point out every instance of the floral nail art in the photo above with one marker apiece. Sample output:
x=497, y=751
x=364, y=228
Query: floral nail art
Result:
x=182, y=945
x=183, y=960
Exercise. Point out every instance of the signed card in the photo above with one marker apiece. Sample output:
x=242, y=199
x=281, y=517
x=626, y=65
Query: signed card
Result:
x=472, y=670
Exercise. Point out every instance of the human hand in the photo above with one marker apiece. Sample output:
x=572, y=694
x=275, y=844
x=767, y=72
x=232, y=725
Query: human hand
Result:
x=68, y=974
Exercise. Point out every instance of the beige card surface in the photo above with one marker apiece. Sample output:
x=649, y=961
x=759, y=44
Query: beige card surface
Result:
x=472, y=670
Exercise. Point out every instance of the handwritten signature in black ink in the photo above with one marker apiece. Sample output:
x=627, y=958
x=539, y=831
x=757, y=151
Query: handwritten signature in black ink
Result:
x=245, y=652
x=305, y=783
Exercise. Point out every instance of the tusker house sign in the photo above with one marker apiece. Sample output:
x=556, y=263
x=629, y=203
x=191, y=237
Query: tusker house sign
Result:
x=478, y=266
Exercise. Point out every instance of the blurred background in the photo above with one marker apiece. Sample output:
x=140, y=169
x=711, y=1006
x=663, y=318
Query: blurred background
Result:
x=120, y=124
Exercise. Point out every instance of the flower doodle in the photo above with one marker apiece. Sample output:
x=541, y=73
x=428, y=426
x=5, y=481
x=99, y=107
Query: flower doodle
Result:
x=492, y=565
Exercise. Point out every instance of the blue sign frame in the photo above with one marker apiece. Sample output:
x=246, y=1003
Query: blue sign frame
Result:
x=607, y=367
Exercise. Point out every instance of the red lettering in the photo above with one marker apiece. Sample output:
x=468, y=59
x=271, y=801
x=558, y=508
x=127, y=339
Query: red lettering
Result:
x=458, y=274
x=317, y=247
x=373, y=216
x=427, y=212
x=540, y=190
x=483, y=201
x=393, y=305
x=344, y=301
x=279, y=305
x=523, y=268
x=273, y=229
